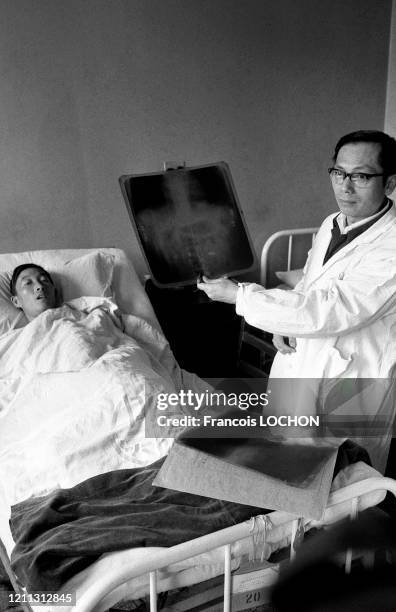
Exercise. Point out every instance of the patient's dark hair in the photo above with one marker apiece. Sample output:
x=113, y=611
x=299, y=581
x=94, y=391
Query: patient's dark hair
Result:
x=387, y=155
x=23, y=267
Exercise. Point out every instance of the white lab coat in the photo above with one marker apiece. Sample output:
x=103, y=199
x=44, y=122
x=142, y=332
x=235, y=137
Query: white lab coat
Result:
x=343, y=315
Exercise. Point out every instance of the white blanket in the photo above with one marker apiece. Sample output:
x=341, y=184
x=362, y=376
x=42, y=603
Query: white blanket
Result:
x=74, y=392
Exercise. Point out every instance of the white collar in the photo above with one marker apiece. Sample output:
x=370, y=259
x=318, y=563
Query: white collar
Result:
x=342, y=220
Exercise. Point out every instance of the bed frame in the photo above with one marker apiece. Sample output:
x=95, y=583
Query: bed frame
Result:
x=284, y=250
x=225, y=538
x=100, y=596
x=297, y=242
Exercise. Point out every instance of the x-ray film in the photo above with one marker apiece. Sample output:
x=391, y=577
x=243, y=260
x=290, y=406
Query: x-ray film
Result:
x=189, y=223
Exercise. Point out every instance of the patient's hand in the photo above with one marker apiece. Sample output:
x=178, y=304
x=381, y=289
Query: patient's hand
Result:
x=219, y=289
x=284, y=345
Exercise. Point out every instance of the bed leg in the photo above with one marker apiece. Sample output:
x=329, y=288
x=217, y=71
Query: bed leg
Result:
x=352, y=515
x=153, y=591
x=227, y=578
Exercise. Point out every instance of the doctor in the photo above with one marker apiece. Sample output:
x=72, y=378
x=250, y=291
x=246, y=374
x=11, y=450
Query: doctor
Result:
x=341, y=317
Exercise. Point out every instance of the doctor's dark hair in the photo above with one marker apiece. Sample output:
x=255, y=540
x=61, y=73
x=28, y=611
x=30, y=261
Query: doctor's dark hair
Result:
x=19, y=269
x=387, y=156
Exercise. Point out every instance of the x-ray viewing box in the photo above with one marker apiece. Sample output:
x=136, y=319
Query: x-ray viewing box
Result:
x=189, y=223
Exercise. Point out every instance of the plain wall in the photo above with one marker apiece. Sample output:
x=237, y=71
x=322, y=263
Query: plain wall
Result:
x=390, y=113
x=92, y=89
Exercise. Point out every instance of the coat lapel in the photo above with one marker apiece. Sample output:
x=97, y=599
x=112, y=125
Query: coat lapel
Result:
x=320, y=246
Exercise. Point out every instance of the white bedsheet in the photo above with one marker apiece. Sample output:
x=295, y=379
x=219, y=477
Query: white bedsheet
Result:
x=74, y=392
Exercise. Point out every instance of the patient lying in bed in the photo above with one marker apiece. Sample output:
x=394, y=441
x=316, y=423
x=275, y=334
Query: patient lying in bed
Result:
x=78, y=382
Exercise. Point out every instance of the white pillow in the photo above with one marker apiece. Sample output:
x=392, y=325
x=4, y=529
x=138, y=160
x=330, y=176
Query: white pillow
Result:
x=290, y=277
x=91, y=274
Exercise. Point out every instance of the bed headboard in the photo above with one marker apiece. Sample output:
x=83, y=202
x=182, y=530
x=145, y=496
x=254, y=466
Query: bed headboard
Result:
x=128, y=291
x=285, y=250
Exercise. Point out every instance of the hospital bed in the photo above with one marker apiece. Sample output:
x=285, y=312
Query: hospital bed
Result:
x=131, y=574
x=122, y=575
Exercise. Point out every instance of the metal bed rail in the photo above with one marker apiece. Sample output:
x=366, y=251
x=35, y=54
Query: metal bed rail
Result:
x=290, y=233
x=259, y=344
x=224, y=537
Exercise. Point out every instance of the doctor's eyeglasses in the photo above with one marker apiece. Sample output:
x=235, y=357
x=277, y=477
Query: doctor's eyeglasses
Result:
x=359, y=179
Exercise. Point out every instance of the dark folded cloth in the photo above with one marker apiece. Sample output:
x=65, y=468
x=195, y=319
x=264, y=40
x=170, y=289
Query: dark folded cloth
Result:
x=61, y=534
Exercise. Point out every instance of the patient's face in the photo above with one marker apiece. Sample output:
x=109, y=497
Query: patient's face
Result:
x=34, y=293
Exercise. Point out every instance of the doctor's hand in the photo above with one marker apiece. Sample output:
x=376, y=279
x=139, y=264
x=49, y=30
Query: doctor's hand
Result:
x=219, y=289
x=284, y=345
